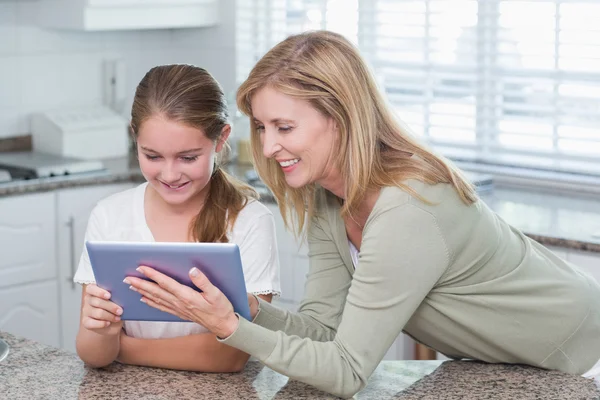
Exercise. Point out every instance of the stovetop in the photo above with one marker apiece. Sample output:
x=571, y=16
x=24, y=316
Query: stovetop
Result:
x=32, y=165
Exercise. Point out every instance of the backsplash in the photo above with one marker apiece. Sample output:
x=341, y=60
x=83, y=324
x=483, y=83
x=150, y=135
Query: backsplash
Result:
x=16, y=143
x=43, y=69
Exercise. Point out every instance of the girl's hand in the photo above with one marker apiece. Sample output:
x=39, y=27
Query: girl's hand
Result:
x=99, y=314
x=210, y=308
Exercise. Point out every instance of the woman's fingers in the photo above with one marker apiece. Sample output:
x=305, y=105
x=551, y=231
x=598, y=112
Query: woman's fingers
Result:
x=211, y=292
x=167, y=283
x=165, y=308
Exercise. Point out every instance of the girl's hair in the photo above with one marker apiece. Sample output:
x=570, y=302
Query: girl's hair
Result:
x=374, y=149
x=190, y=95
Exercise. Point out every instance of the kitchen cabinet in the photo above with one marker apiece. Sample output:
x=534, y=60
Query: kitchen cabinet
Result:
x=41, y=238
x=28, y=295
x=108, y=15
x=74, y=207
x=31, y=311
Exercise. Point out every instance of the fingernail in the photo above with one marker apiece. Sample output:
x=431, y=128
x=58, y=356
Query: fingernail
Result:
x=139, y=269
x=194, y=271
x=117, y=319
x=126, y=281
x=143, y=300
x=132, y=288
x=119, y=311
x=107, y=296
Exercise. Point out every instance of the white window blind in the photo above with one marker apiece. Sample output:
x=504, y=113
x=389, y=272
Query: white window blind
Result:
x=498, y=81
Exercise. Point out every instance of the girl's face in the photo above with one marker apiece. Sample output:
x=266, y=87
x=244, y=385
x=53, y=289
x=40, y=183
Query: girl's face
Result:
x=177, y=160
x=297, y=136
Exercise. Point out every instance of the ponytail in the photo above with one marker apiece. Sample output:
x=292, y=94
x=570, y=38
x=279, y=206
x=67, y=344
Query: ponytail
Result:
x=227, y=196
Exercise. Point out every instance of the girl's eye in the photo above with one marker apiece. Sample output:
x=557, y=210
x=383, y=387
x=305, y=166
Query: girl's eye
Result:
x=189, y=158
x=285, y=128
x=152, y=158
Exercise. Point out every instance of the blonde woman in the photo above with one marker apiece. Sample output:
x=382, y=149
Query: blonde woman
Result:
x=398, y=241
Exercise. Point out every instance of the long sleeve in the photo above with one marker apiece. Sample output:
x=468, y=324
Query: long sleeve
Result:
x=403, y=255
x=325, y=292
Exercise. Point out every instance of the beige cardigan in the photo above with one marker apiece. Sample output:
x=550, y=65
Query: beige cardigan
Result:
x=455, y=277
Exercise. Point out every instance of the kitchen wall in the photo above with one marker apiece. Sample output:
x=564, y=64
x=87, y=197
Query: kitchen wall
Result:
x=43, y=69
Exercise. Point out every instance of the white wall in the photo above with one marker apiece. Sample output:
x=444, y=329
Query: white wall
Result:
x=47, y=69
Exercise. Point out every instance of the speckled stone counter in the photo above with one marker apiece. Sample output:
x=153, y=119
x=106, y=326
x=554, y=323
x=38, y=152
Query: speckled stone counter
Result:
x=553, y=219
x=36, y=371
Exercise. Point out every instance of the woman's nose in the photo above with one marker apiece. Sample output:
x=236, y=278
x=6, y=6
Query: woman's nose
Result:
x=270, y=144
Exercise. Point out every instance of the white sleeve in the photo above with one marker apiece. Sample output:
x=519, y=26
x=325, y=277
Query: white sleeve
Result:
x=260, y=257
x=95, y=231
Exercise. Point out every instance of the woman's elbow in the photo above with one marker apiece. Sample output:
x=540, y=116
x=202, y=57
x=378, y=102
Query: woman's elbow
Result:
x=348, y=391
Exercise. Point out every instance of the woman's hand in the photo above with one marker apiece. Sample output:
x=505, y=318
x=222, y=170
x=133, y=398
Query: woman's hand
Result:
x=210, y=308
x=99, y=314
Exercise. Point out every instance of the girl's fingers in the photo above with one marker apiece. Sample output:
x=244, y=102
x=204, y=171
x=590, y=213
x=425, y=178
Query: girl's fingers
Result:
x=106, y=305
x=91, y=323
x=103, y=315
x=94, y=290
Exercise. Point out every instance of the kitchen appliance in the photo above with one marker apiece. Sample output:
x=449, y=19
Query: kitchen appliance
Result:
x=32, y=165
x=88, y=133
x=4, y=176
x=3, y=349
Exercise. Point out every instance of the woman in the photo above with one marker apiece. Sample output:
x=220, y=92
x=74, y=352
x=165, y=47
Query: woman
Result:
x=180, y=128
x=398, y=241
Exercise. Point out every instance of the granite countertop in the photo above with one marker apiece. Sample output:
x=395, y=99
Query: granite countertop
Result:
x=34, y=370
x=570, y=221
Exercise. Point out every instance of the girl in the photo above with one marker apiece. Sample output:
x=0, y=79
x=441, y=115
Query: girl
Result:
x=398, y=241
x=179, y=125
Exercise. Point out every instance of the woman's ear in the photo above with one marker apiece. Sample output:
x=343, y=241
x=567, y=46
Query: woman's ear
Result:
x=225, y=132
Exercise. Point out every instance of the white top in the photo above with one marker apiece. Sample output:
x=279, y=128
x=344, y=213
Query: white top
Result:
x=354, y=253
x=121, y=217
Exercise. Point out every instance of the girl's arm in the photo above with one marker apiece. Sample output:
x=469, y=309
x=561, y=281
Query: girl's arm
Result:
x=201, y=353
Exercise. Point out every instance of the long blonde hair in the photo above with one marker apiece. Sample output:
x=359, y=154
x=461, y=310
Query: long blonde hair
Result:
x=374, y=150
x=190, y=95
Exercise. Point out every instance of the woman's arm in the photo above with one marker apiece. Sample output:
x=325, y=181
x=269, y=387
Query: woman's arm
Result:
x=201, y=352
x=403, y=255
x=325, y=292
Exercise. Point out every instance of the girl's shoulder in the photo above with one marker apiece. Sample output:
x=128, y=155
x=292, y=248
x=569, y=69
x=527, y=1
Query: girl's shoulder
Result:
x=122, y=207
x=253, y=210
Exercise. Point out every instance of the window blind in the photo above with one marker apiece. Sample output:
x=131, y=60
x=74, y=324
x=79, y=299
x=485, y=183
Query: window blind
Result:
x=507, y=82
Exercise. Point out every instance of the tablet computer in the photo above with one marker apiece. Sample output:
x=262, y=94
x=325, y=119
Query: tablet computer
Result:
x=220, y=262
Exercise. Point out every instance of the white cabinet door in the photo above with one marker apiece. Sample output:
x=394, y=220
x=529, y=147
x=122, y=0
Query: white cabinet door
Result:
x=27, y=239
x=587, y=261
x=31, y=311
x=74, y=208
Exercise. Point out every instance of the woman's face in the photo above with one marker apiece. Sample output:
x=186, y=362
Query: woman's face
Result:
x=297, y=136
x=177, y=160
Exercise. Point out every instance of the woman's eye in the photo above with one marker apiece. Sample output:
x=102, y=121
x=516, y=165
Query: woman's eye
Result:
x=189, y=158
x=260, y=128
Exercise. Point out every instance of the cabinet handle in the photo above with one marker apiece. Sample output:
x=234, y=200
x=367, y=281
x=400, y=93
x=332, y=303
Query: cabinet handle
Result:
x=71, y=225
